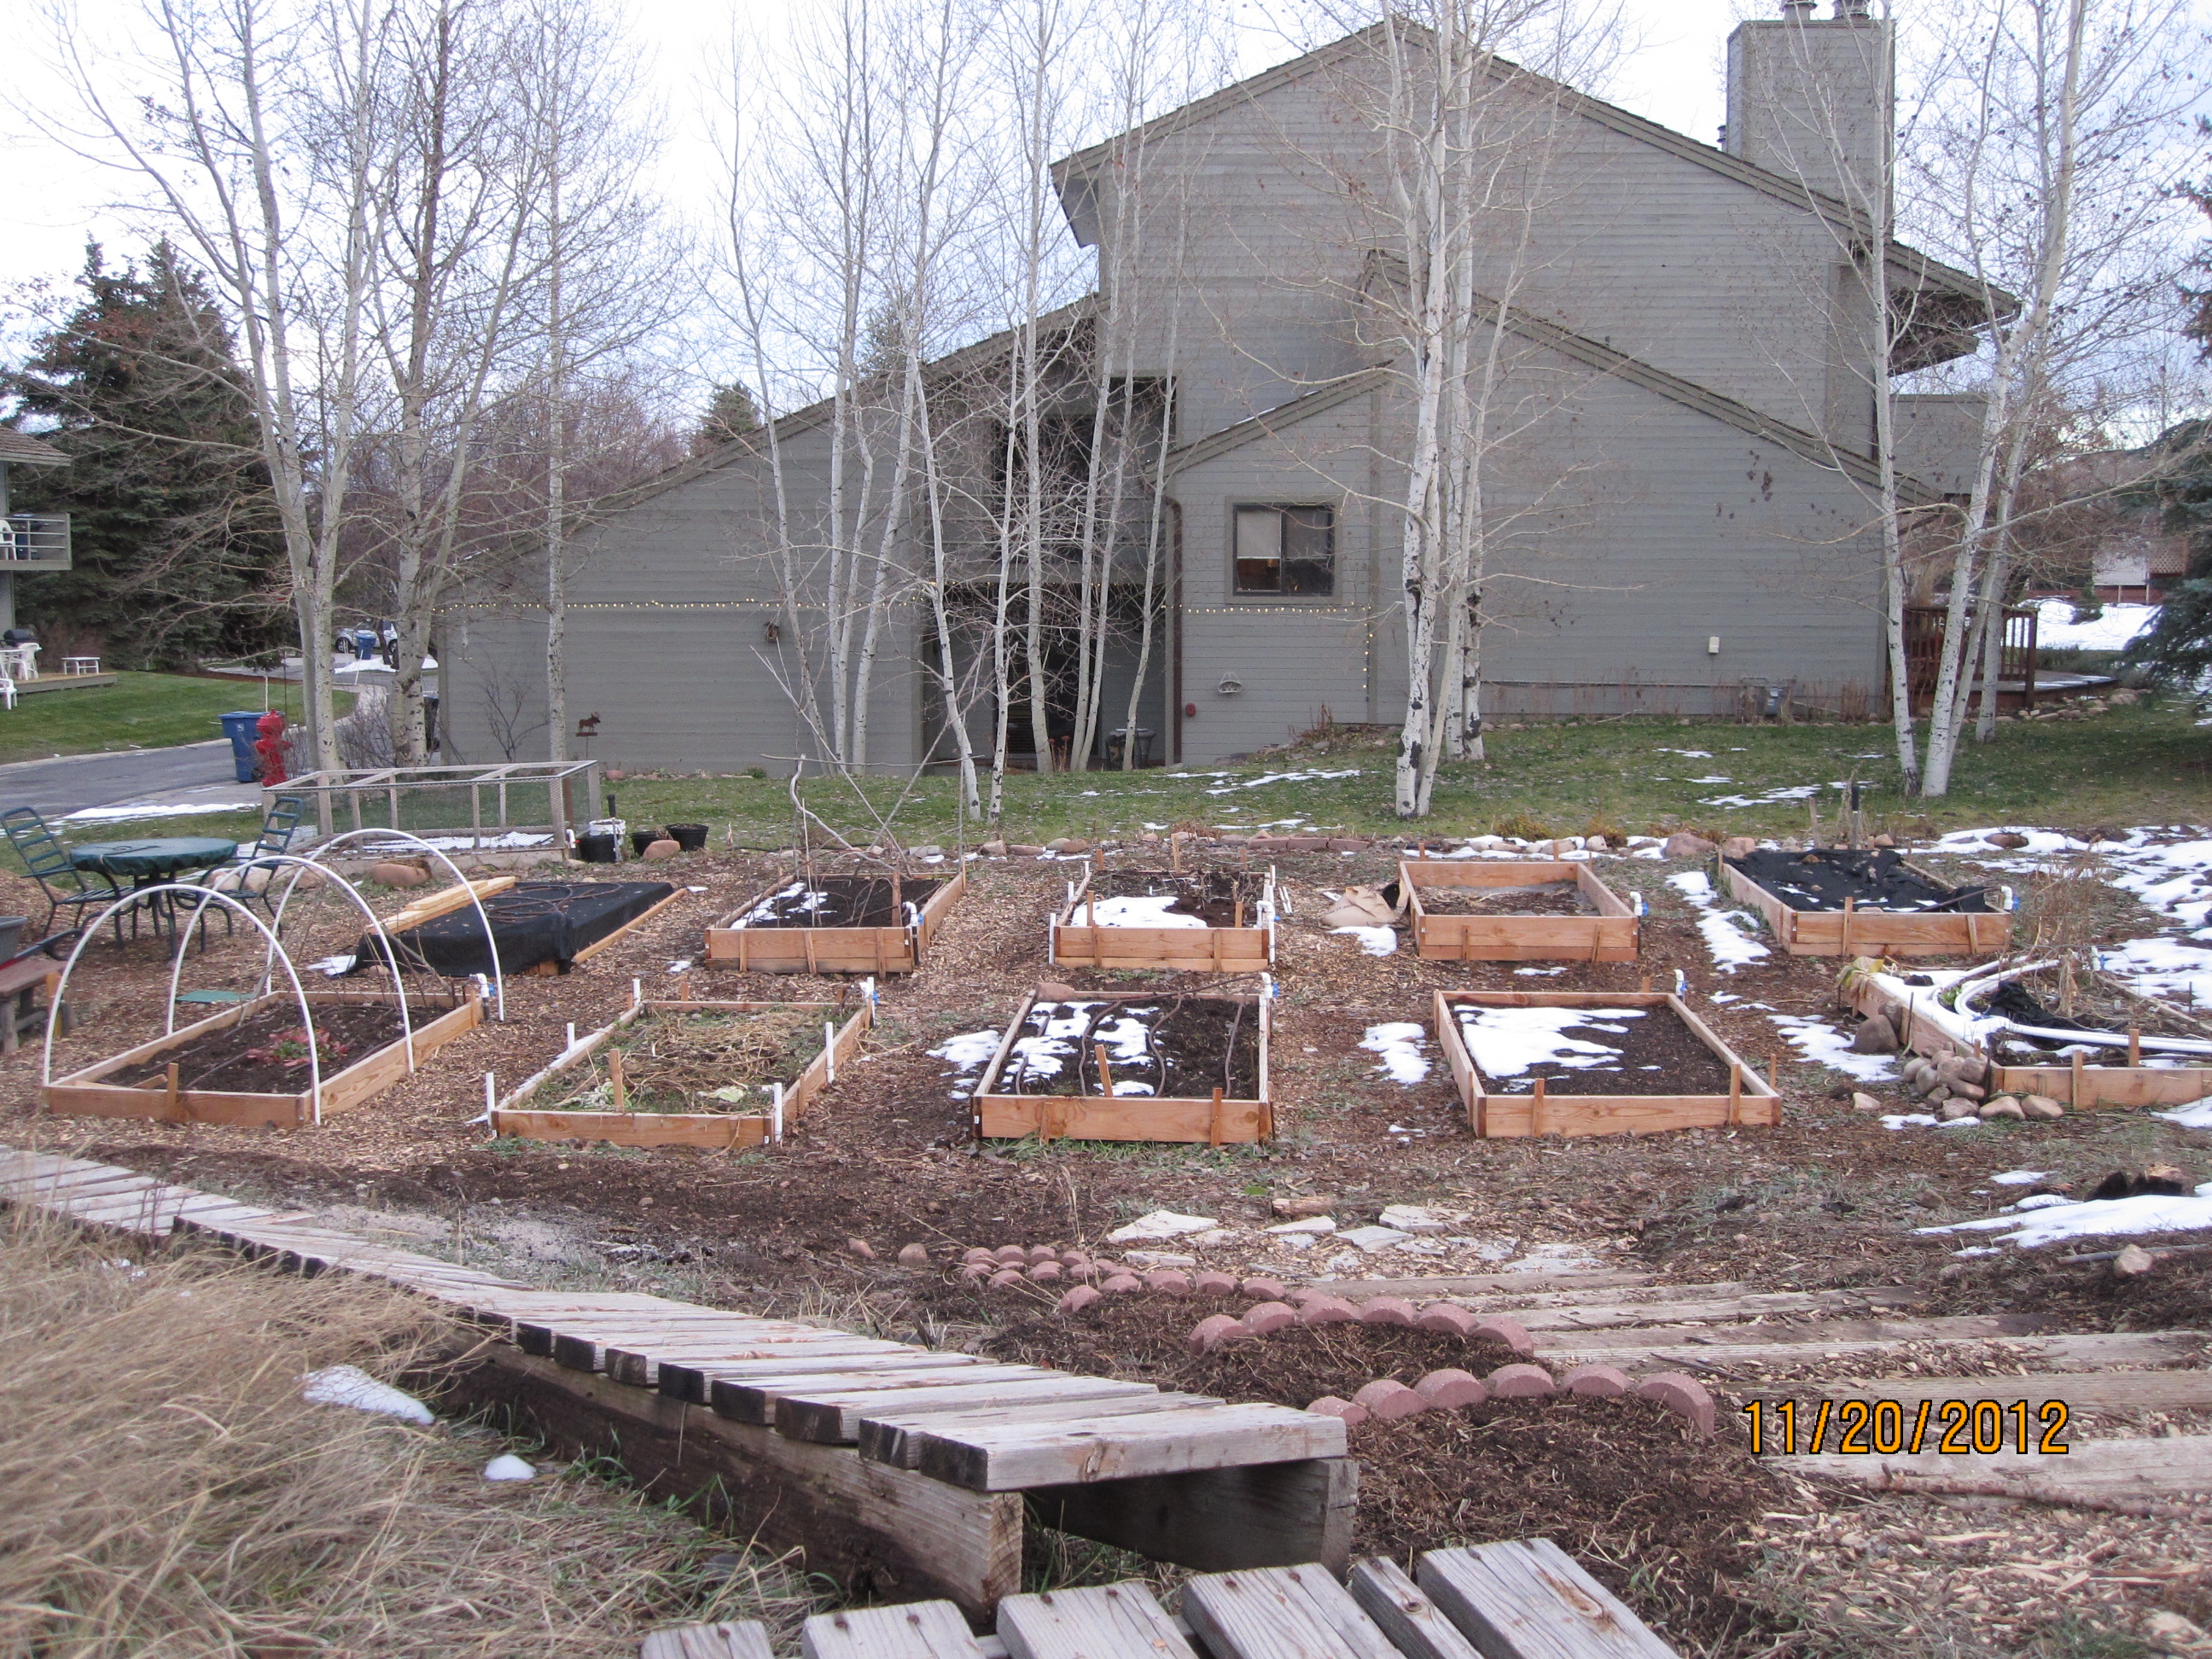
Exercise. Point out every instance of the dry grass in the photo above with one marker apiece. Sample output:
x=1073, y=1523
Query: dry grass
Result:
x=168, y=1492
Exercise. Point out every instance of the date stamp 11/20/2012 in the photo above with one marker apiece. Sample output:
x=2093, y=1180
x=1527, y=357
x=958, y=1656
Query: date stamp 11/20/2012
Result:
x=1882, y=1428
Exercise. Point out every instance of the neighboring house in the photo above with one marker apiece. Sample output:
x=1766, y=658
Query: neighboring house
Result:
x=29, y=542
x=1685, y=509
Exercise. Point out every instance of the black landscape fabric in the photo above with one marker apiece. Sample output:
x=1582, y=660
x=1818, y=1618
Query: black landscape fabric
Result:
x=1824, y=878
x=532, y=921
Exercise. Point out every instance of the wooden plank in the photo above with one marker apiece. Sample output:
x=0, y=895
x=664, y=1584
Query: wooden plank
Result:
x=2097, y=1351
x=445, y=900
x=919, y=1629
x=1527, y=1599
x=1260, y=1515
x=2114, y=1087
x=833, y=1416
x=1716, y=1310
x=858, y=1523
x=1543, y=1289
x=629, y=926
x=892, y=1436
x=2109, y=1393
x=1281, y=1613
x=1111, y=1621
x=640, y=1366
x=1124, y=1117
x=754, y=1400
x=1952, y=1328
x=1401, y=1610
x=2164, y=1466
x=714, y=1131
x=830, y=950
x=1610, y=933
x=690, y=1378
x=586, y=1349
x=744, y=1640
x=1016, y=1456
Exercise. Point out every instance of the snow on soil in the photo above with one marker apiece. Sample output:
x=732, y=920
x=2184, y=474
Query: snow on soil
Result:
x=1507, y=1041
x=1824, y=1045
x=1376, y=941
x=2020, y=1177
x=1038, y=1056
x=155, y=810
x=507, y=1466
x=350, y=1385
x=2036, y=1221
x=2116, y=628
x=1730, y=946
x=2197, y=1115
x=1398, y=1043
x=1138, y=910
x=1313, y=776
x=968, y=1054
x=1799, y=791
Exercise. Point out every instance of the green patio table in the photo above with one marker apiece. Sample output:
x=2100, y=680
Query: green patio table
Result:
x=149, y=862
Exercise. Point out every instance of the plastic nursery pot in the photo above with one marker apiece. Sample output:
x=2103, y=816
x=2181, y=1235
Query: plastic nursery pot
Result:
x=11, y=934
x=641, y=839
x=598, y=849
x=689, y=837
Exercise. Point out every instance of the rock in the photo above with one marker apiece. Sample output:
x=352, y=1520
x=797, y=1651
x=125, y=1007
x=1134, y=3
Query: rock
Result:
x=996, y=849
x=1263, y=1290
x=1269, y=1317
x=1150, y=1258
x=2007, y=838
x=1736, y=847
x=1213, y=1284
x=1328, y=1310
x=1007, y=1277
x=1952, y=1110
x=1161, y=1224
x=1329, y=1406
x=861, y=1248
x=1078, y=1299
x=1519, y=1382
x=2041, y=1106
x=1018, y=850
x=1371, y=1239
x=1213, y=1331
x=1680, y=1393
x=1594, y=844
x=1876, y=1036
x=1865, y=1103
x=1884, y=839
x=1067, y=844
x=2132, y=1259
x=2002, y=1106
x=1295, y=1208
x=1168, y=1282
x=656, y=851
x=1973, y=1092
x=1122, y=1285
x=1387, y=1310
x=398, y=875
x=1413, y=1218
x=1360, y=907
x=1312, y=1224
x=912, y=1256
x=1450, y=1389
x=1448, y=1317
x=1046, y=1272
x=1683, y=845
x=1596, y=1382
x=1387, y=1401
x=1496, y=1327
x=1208, y=1241
x=1054, y=990
x=2165, y=1180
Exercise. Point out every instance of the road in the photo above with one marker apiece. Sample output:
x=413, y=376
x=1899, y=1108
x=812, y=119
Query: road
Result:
x=193, y=774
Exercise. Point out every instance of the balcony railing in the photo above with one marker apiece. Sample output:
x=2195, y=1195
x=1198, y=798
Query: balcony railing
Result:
x=34, y=541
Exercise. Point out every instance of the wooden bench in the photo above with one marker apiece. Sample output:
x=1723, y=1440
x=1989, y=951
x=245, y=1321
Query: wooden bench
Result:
x=20, y=980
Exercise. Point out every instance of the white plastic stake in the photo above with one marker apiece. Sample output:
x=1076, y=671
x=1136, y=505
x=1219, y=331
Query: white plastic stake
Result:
x=637, y=994
x=572, y=1036
x=775, y=1120
x=491, y=1096
x=829, y=1047
x=1681, y=984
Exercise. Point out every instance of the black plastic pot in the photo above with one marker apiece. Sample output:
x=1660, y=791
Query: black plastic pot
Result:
x=11, y=934
x=641, y=839
x=598, y=849
x=689, y=836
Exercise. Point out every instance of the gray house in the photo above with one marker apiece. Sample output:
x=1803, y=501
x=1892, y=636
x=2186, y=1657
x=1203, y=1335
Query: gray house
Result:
x=1685, y=507
x=29, y=542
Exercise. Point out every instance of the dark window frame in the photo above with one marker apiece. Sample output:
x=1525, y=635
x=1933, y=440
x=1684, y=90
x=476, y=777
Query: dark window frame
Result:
x=1283, y=592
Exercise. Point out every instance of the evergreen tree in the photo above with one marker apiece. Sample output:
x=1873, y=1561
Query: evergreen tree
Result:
x=731, y=413
x=176, y=549
x=2177, y=649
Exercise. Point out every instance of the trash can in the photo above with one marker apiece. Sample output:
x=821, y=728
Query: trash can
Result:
x=241, y=729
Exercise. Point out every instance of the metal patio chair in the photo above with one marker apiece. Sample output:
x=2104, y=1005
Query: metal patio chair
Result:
x=65, y=886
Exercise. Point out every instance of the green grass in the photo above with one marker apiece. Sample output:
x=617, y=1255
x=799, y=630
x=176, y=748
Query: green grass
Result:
x=139, y=711
x=2143, y=764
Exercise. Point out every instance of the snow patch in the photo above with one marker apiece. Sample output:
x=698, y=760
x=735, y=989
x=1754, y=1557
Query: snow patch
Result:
x=1731, y=947
x=1507, y=1043
x=2197, y=1115
x=2114, y=629
x=2092, y=1219
x=1138, y=910
x=1823, y=1045
x=507, y=1466
x=1398, y=1043
x=2020, y=1177
x=350, y=1386
x=1374, y=941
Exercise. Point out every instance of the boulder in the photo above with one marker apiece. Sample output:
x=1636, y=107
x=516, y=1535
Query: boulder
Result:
x=1594, y=844
x=1067, y=844
x=1736, y=847
x=1884, y=839
x=2005, y=838
x=1876, y=1036
x=656, y=851
x=1952, y=1110
x=1865, y=1103
x=861, y=1248
x=1973, y=1092
x=2041, y=1106
x=2132, y=1260
x=1683, y=845
x=995, y=849
x=2002, y=1106
x=393, y=874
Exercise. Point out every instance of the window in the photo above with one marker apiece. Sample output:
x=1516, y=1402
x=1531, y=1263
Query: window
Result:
x=1286, y=550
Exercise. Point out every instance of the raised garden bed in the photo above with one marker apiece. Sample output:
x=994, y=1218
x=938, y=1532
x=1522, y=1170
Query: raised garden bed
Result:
x=837, y=924
x=1534, y=911
x=538, y=926
x=1832, y=901
x=747, y=1070
x=1593, y=1063
x=1179, y=1068
x=247, y=1066
x=1211, y=921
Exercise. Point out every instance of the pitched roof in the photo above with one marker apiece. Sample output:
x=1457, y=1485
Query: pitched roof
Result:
x=23, y=450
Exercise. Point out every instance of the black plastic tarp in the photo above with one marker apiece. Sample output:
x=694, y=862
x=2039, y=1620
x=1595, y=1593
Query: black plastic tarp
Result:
x=531, y=922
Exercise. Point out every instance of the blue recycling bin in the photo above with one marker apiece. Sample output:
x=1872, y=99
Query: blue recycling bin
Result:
x=242, y=729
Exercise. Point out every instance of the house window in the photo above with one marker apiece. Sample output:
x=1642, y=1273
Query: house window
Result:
x=1289, y=551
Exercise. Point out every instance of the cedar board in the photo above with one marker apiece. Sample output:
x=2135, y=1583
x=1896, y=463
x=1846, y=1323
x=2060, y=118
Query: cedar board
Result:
x=1189, y=950
x=81, y=1094
x=1125, y=1117
x=830, y=950
x=1872, y=932
x=2081, y=1089
x=1611, y=935
x=1497, y=1117
x=548, y=968
x=713, y=1131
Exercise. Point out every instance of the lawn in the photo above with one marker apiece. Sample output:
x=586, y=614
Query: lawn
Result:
x=139, y=711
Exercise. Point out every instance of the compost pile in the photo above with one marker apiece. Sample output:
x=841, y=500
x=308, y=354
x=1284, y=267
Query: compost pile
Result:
x=844, y=902
x=1551, y=898
x=1168, y=1049
x=1217, y=898
x=704, y=1062
x=531, y=922
x=267, y=1052
x=1879, y=879
x=1589, y=1051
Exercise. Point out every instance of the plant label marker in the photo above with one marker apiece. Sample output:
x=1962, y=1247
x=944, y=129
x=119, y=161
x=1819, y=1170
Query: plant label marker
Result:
x=1105, y=1075
x=829, y=1047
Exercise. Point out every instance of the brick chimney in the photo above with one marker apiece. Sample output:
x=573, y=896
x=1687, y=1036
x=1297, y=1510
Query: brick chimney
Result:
x=1815, y=97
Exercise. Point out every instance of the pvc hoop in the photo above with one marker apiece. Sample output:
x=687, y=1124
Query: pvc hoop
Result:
x=491, y=945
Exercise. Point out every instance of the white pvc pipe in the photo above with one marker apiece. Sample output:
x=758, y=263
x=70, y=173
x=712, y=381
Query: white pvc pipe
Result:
x=85, y=937
x=491, y=945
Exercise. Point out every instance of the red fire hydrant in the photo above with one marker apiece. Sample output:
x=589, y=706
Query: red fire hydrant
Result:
x=270, y=747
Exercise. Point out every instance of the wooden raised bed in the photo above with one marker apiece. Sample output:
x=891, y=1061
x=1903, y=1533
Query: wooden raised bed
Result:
x=1749, y=1098
x=1611, y=934
x=83, y=1094
x=1251, y=950
x=894, y=950
x=719, y=1130
x=2080, y=1087
x=1212, y=1122
x=1851, y=932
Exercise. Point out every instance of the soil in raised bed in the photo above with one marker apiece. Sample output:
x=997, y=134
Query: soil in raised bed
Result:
x=1879, y=879
x=1551, y=898
x=1216, y=897
x=267, y=1052
x=1652, y=1051
x=1170, y=1048
x=702, y=1062
x=842, y=901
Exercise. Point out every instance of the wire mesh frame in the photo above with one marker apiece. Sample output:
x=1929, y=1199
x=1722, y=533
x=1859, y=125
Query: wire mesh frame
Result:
x=331, y=789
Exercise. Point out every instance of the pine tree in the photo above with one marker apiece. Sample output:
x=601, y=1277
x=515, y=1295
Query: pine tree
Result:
x=731, y=413
x=176, y=549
